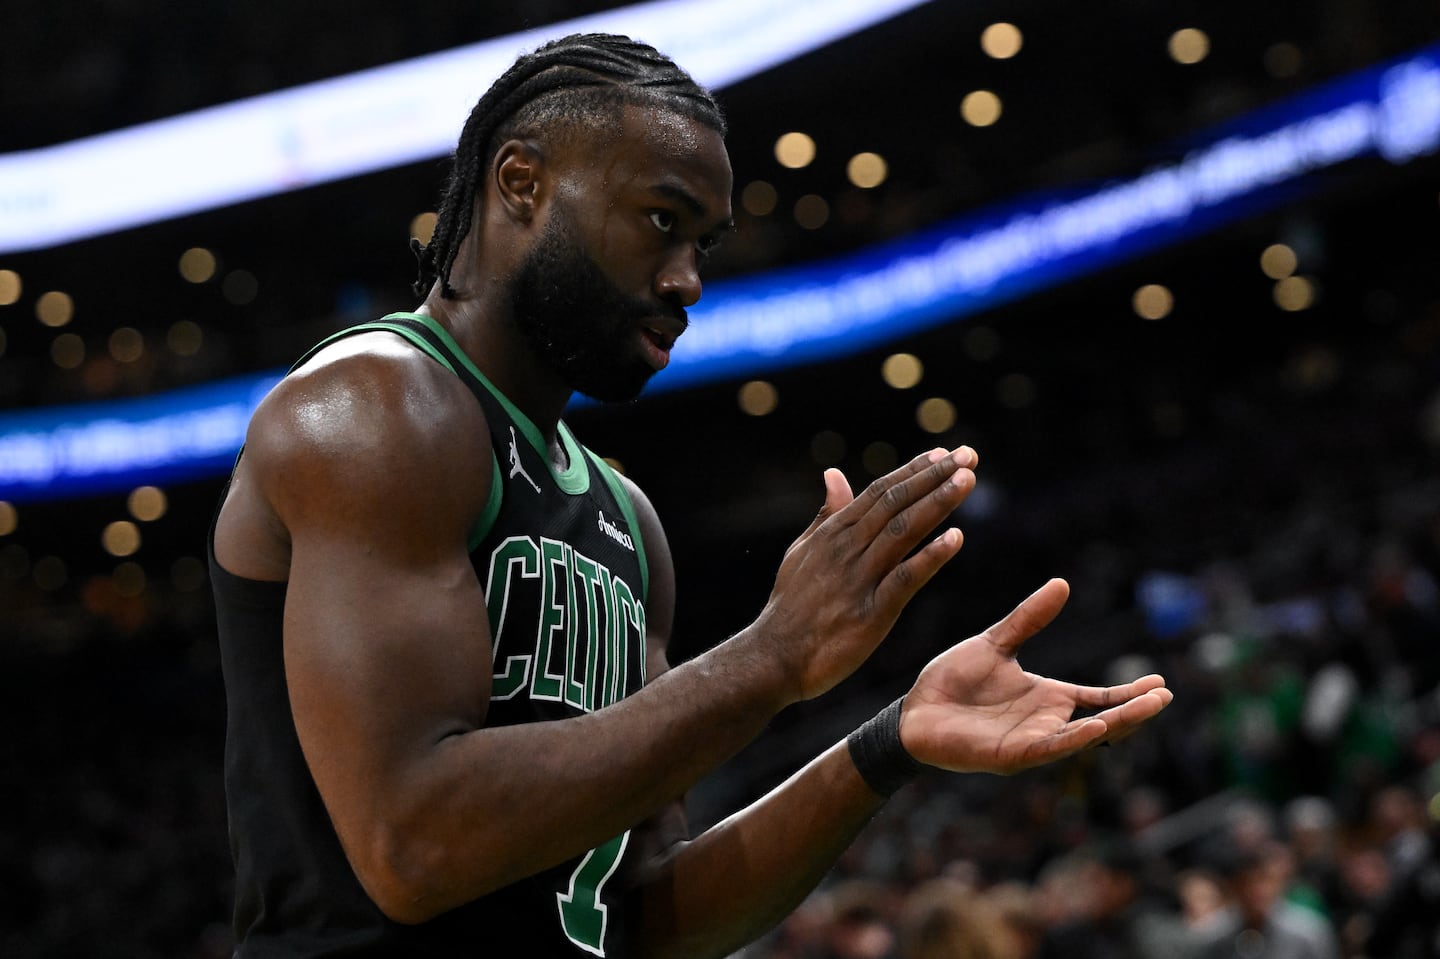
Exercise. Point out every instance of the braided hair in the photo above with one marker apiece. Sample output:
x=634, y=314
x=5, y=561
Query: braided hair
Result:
x=579, y=79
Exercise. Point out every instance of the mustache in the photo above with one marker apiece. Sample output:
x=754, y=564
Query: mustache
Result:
x=669, y=311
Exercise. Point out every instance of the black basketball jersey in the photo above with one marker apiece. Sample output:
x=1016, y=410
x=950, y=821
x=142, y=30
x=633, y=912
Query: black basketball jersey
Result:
x=560, y=557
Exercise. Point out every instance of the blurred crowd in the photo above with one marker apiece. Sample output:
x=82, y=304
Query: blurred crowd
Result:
x=1287, y=806
x=1297, y=881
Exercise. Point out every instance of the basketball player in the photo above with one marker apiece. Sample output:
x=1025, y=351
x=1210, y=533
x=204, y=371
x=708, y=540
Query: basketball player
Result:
x=452, y=729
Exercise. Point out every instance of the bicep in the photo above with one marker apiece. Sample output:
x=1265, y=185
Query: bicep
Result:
x=386, y=634
x=382, y=657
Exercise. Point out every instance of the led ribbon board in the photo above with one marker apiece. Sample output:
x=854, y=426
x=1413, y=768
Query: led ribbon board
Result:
x=803, y=315
x=103, y=447
x=392, y=115
x=817, y=312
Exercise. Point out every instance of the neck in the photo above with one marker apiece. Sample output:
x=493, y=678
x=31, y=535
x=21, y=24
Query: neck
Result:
x=486, y=332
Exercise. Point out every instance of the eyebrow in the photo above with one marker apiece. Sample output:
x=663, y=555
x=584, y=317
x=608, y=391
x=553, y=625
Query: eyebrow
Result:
x=687, y=199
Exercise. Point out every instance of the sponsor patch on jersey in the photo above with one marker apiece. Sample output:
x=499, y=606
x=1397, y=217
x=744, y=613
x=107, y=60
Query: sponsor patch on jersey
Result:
x=613, y=531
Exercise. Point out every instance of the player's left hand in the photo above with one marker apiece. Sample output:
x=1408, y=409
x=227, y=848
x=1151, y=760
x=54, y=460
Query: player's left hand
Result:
x=973, y=709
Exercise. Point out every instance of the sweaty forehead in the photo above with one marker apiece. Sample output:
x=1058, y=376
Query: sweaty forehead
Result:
x=655, y=144
x=669, y=134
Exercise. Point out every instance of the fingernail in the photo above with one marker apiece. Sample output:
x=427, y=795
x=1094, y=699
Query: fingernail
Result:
x=935, y=455
x=964, y=456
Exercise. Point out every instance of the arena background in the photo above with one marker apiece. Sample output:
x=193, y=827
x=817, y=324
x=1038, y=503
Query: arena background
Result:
x=1231, y=460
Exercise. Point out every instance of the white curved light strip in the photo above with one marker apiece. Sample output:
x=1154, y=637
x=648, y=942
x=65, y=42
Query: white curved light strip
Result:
x=367, y=121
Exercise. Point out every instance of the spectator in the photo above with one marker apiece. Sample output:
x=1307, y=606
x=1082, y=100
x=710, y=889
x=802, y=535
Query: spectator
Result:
x=945, y=919
x=1258, y=922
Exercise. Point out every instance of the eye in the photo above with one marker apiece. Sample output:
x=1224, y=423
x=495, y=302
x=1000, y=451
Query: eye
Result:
x=664, y=220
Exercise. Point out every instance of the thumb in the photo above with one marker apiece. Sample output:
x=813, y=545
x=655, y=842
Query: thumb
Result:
x=837, y=492
x=837, y=496
x=1032, y=615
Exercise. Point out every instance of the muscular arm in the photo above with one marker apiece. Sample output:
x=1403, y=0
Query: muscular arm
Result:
x=388, y=658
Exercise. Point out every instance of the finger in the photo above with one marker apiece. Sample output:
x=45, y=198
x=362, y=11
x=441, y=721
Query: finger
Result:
x=1099, y=697
x=837, y=496
x=891, y=493
x=900, y=515
x=1072, y=738
x=1033, y=614
x=1109, y=726
x=924, y=509
x=1121, y=720
x=906, y=579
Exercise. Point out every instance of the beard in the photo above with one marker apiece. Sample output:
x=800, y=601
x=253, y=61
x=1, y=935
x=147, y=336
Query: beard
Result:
x=577, y=320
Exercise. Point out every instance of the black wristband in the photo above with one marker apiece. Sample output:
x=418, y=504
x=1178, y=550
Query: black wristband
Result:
x=878, y=754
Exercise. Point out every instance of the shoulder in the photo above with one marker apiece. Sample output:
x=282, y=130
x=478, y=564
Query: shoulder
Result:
x=644, y=509
x=368, y=412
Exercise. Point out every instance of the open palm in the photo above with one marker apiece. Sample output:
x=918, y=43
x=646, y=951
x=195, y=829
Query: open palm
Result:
x=973, y=709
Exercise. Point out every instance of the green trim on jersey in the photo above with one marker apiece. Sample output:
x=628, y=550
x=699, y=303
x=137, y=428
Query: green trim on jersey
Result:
x=575, y=478
x=482, y=526
x=486, y=522
x=627, y=506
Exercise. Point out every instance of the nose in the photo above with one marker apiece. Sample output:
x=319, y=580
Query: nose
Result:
x=679, y=278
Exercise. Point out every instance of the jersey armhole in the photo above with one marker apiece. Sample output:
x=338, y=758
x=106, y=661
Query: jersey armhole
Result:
x=482, y=526
x=627, y=507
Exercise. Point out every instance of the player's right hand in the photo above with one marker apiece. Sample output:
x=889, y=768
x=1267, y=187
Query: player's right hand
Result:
x=844, y=581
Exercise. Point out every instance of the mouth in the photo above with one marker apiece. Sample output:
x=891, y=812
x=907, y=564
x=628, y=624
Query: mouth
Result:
x=659, y=336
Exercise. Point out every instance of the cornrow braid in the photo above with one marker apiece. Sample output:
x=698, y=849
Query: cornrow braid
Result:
x=576, y=77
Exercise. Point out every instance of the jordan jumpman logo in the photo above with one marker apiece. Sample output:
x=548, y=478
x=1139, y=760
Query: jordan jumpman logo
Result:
x=516, y=467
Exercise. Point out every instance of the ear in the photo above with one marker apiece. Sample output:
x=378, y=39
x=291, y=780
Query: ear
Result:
x=519, y=171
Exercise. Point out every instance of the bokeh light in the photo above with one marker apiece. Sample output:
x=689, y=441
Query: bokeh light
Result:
x=981, y=108
x=55, y=308
x=811, y=211
x=1189, y=45
x=759, y=198
x=129, y=579
x=1278, y=261
x=795, y=150
x=1294, y=293
x=240, y=287
x=67, y=351
x=879, y=458
x=867, y=170
x=147, y=503
x=121, y=538
x=1001, y=40
x=935, y=415
x=198, y=265
x=185, y=337
x=1153, y=301
x=50, y=573
x=126, y=344
x=758, y=398
x=10, y=287
x=902, y=370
